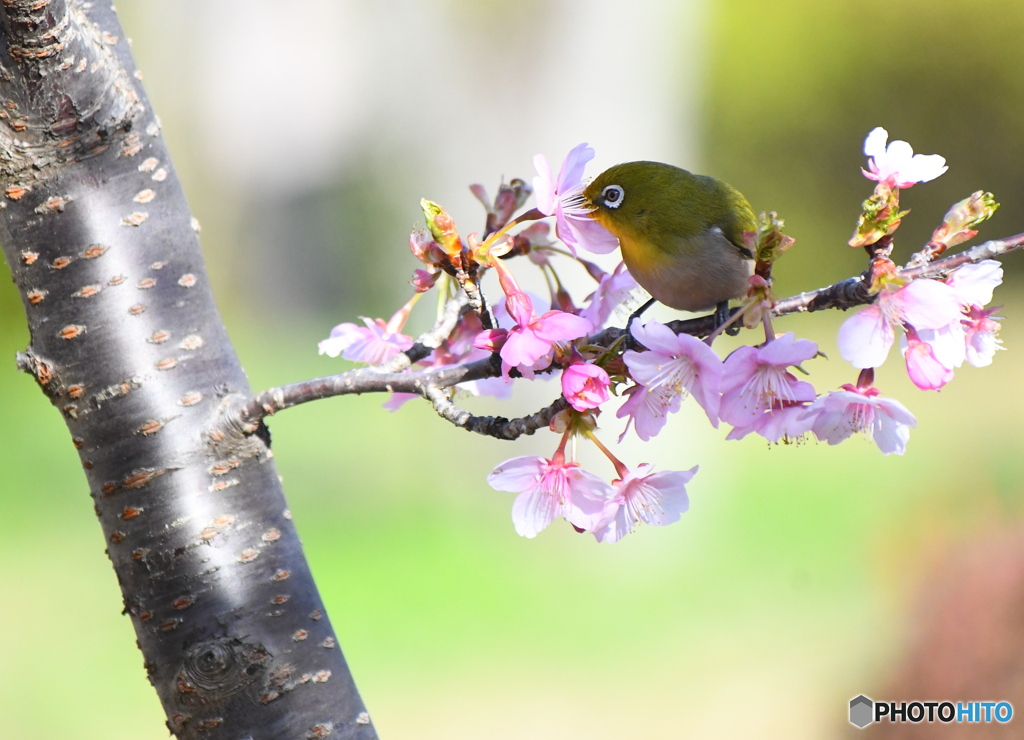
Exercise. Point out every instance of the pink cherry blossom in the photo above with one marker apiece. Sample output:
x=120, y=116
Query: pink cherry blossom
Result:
x=840, y=414
x=865, y=337
x=897, y=164
x=375, y=343
x=491, y=340
x=672, y=367
x=642, y=496
x=422, y=281
x=973, y=284
x=613, y=290
x=926, y=371
x=563, y=199
x=756, y=381
x=425, y=248
x=972, y=337
x=458, y=349
x=981, y=340
x=647, y=409
x=785, y=421
x=532, y=340
x=548, y=489
x=947, y=344
x=585, y=385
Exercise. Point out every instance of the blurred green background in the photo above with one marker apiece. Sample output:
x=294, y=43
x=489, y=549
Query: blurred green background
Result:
x=305, y=142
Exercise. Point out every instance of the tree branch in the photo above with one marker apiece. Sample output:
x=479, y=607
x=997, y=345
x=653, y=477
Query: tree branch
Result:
x=246, y=414
x=492, y=426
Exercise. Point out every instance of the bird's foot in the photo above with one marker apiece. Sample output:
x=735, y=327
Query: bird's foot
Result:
x=725, y=321
x=636, y=314
x=722, y=316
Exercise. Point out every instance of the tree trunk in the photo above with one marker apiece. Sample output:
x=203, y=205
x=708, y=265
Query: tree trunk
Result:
x=127, y=344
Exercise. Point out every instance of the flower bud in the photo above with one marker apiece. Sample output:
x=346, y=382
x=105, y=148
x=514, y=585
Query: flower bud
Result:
x=958, y=225
x=771, y=242
x=575, y=421
x=881, y=216
x=522, y=191
x=562, y=301
x=480, y=192
x=884, y=274
x=505, y=205
x=442, y=227
x=423, y=281
x=425, y=249
x=491, y=340
x=759, y=301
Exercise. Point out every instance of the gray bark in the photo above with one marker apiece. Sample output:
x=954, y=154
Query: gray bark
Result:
x=127, y=344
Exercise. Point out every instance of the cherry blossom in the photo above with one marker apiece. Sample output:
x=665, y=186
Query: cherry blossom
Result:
x=529, y=345
x=673, y=366
x=865, y=337
x=531, y=341
x=784, y=421
x=614, y=289
x=548, y=489
x=973, y=284
x=842, y=413
x=585, y=385
x=896, y=164
x=756, y=381
x=981, y=341
x=375, y=343
x=563, y=199
x=924, y=367
x=931, y=354
x=642, y=496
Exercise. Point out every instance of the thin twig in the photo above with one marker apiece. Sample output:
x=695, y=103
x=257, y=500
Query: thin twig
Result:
x=989, y=250
x=492, y=426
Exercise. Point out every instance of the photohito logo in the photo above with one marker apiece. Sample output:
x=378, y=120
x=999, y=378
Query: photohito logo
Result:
x=864, y=711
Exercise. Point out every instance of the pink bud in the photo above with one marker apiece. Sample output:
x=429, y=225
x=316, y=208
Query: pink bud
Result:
x=585, y=386
x=505, y=204
x=480, y=192
x=425, y=249
x=491, y=340
x=423, y=281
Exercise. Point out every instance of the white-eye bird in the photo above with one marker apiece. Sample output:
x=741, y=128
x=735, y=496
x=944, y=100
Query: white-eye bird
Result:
x=681, y=234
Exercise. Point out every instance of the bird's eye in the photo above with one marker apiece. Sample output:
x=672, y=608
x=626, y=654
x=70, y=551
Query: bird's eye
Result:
x=612, y=196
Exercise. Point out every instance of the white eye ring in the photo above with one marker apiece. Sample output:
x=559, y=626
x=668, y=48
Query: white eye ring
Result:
x=613, y=196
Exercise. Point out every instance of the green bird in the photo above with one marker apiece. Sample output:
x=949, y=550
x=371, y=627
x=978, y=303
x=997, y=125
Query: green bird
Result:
x=681, y=234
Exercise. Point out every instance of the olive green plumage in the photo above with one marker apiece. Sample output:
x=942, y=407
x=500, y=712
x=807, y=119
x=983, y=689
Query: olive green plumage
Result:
x=681, y=234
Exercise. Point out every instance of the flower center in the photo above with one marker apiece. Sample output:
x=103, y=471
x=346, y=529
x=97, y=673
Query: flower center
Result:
x=769, y=384
x=555, y=483
x=642, y=503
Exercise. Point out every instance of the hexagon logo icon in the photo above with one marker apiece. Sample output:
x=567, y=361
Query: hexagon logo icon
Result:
x=861, y=711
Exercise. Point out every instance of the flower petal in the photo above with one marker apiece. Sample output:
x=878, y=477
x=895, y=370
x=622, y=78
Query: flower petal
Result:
x=517, y=474
x=544, y=185
x=533, y=511
x=973, y=284
x=928, y=304
x=874, y=144
x=571, y=174
x=865, y=338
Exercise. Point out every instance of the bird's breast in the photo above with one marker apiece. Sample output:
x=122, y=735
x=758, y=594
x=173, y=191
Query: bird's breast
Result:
x=688, y=273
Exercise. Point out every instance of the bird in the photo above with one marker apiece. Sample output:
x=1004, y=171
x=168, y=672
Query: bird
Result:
x=681, y=234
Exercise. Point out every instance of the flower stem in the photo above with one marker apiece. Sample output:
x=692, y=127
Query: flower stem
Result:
x=532, y=215
x=620, y=467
